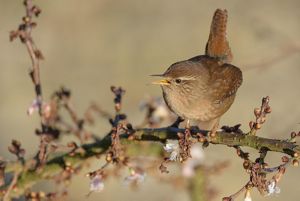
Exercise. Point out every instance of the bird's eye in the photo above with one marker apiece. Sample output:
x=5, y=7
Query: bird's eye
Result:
x=178, y=81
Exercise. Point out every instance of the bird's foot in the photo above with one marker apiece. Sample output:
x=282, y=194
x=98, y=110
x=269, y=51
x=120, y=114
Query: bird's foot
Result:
x=177, y=122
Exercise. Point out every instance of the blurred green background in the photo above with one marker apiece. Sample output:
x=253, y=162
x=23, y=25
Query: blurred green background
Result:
x=91, y=45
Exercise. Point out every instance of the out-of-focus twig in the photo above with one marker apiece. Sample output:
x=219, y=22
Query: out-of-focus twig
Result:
x=287, y=52
x=12, y=184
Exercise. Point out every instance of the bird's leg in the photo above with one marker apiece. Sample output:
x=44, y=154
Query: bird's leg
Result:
x=187, y=125
x=213, y=128
x=177, y=122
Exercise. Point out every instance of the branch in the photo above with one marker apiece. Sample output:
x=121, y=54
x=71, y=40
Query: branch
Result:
x=57, y=164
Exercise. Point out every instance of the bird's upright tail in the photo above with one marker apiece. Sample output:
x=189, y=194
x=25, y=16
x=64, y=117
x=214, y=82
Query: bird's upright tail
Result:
x=217, y=45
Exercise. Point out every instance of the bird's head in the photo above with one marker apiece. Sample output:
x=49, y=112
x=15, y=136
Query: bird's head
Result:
x=182, y=78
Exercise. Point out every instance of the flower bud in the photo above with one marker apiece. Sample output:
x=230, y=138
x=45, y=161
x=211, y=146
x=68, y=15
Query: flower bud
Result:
x=263, y=120
x=33, y=195
x=284, y=159
x=227, y=199
x=257, y=126
x=296, y=155
x=251, y=124
x=257, y=112
x=42, y=194
x=212, y=134
x=26, y=19
x=295, y=163
x=268, y=110
x=293, y=134
x=118, y=107
x=265, y=165
x=246, y=164
x=108, y=158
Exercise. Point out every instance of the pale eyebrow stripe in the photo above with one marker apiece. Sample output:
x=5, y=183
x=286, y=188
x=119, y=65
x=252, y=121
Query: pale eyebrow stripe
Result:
x=188, y=78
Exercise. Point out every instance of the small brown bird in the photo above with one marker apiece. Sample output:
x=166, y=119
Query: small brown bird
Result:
x=203, y=88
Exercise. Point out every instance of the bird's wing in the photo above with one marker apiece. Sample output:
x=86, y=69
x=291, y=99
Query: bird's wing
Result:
x=225, y=81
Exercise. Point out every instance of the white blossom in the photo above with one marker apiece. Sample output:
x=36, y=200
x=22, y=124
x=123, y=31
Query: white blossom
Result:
x=34, y=107
x=248, y=196
x=172, y=147
x=135, y=176
x=188, y=169
x=272, y=188
x=160, y=113
x=96, y=184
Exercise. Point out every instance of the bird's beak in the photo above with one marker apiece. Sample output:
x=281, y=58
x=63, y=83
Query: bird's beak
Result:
x=162, y=82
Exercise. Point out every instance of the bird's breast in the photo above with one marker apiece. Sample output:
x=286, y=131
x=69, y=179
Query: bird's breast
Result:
x=195, y=106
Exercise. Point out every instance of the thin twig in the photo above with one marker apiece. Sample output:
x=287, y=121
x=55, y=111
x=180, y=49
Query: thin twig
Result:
x=12, y=184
